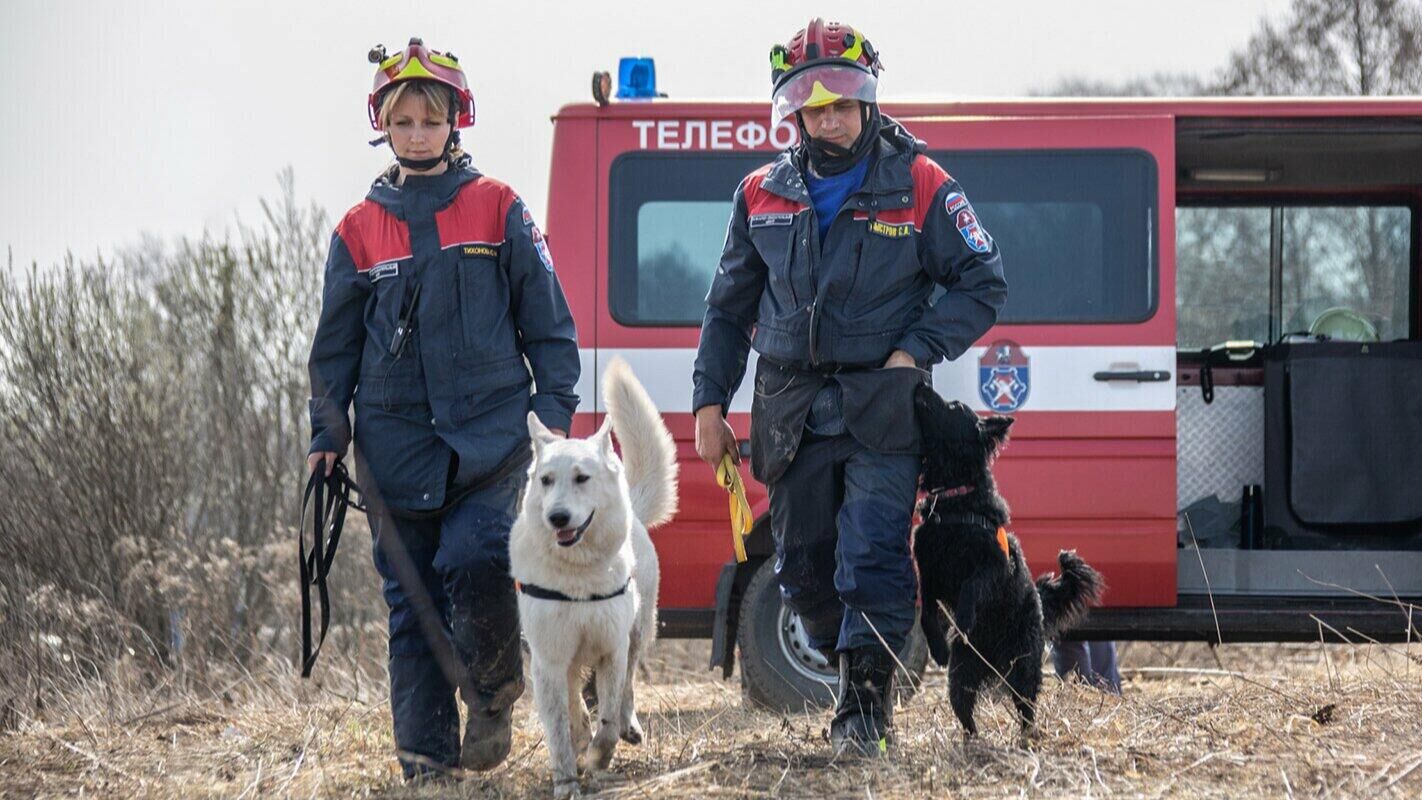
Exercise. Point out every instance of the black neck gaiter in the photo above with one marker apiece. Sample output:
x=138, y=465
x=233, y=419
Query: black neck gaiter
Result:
x=831, y=159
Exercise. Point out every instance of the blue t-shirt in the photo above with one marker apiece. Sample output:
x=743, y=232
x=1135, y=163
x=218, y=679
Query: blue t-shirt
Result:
x=829, y=193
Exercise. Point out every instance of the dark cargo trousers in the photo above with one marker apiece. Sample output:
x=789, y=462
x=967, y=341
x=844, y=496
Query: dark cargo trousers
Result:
x=840, y=516
x=461, y=560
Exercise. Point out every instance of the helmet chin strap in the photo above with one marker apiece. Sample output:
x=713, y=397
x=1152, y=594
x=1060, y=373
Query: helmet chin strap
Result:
x=422, y=164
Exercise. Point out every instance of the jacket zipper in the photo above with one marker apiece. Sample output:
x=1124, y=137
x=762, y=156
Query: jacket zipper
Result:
x=812, y=252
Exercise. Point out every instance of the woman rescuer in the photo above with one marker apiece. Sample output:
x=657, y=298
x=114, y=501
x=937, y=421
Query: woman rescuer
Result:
x=440, y=299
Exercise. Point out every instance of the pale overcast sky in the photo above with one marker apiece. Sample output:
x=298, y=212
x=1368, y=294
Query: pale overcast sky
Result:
x=173, y=117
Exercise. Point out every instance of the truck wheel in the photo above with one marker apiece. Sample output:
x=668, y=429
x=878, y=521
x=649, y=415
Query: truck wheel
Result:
x=780, y=671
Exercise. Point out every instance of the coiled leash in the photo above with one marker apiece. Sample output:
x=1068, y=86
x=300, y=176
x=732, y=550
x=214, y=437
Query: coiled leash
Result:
x=333, y=498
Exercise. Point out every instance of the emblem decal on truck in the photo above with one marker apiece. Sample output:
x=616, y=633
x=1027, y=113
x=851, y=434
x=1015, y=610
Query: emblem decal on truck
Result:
x=1004, y=376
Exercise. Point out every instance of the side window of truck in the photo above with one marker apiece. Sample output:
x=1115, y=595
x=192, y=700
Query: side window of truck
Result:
x=668, y=225
x=1077, y=229
x=1354, y=257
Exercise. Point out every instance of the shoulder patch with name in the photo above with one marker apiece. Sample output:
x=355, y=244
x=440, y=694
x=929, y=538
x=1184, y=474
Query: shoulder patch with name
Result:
x=890, y=231
x=479, y=251
x=387, y=270
x=766, y=220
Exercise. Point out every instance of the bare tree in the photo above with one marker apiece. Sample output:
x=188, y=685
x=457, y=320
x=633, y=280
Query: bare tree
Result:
x=1332, y=47
x=1321, y=47
x=1160, y=84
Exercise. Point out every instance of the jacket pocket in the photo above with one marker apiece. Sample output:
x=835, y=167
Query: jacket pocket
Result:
x=778, y=411
x=482, y=292
x=885, y=268
x=775, y=242
x=879, y=408
x=390, y=286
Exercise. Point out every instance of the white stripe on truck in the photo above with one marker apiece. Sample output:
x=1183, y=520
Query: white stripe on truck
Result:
x=1061, y=378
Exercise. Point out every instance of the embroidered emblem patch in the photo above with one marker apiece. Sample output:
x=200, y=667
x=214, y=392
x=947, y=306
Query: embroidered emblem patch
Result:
x=890, y=230
x=381, y=271
x=527, y=217
x=540, y=244
x=1004, y=376
x=972, y=232
x=765, y=220
x=955, y=202
x=479, y=251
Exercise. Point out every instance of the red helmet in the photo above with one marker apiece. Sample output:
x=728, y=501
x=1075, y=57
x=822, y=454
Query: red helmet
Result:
x=824, y=62
x=416, y=62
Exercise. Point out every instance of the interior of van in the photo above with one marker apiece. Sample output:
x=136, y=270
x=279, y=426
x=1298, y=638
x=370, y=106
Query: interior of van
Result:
x=1299, y=391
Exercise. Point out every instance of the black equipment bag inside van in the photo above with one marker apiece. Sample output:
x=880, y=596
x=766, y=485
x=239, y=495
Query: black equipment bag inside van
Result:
x=1343, y=445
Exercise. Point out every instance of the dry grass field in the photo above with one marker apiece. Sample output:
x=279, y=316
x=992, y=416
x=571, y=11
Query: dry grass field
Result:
x=1257, y=721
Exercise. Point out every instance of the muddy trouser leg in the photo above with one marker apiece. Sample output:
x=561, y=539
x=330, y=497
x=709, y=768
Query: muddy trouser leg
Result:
x=473, y=560
x=421, y=697
x=876, y=578
x=802, y=508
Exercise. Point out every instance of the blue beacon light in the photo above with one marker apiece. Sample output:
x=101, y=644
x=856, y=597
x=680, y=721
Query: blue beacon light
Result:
x=636, y=78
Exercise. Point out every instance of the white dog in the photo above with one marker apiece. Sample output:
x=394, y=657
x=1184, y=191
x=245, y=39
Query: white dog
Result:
x=587, y=571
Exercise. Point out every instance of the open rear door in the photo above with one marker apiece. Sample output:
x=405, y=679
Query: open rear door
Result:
x=1084, y=355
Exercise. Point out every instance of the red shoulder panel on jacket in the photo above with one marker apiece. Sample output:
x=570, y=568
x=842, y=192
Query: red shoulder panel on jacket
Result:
x=477, y=214
x=759, y=201
x=373, y=235
x=928, y=177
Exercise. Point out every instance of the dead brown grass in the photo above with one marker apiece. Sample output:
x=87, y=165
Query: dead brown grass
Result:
x=1259, y=721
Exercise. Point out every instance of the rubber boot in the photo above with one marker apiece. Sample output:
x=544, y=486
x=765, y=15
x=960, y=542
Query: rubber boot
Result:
x=865, y=710
x=488, y=735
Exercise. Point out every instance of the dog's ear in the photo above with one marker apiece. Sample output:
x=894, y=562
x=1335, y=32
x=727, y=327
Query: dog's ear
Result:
x=603, y=438
x=539, y=433
x=995, y=427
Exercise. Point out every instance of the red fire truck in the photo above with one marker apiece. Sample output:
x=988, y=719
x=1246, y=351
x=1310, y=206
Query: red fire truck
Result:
x=1211, y=348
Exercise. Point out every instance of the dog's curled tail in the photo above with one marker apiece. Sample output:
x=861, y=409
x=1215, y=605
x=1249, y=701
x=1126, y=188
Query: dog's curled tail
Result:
x=648, y=451
x=1066, y=597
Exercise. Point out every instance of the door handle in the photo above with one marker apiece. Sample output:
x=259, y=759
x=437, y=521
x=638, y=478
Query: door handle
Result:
x=1139, y=376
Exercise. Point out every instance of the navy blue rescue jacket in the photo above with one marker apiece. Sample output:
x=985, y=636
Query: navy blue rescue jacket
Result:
x=866, y=292
x=456, y=261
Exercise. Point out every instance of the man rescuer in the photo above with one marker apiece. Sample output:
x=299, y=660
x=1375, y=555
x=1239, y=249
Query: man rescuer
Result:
x=831, y=259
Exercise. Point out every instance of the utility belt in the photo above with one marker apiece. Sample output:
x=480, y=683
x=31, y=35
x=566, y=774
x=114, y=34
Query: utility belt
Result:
x=877, y=404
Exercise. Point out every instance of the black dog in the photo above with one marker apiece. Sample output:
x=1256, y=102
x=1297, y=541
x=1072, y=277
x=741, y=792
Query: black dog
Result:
x=971, y=566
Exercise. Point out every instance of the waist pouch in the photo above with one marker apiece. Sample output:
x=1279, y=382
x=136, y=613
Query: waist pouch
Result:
x=877, y=405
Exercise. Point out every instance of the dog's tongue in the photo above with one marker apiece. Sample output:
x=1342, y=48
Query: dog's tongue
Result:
x=567, y=535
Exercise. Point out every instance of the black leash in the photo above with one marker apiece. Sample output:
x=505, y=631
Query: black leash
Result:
x=333, y=495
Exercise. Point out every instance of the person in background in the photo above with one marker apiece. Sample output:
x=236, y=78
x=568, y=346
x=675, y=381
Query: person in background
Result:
x=1092, y=662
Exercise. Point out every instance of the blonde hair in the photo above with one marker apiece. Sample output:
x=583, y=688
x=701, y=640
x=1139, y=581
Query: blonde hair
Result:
x=437, y=99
